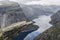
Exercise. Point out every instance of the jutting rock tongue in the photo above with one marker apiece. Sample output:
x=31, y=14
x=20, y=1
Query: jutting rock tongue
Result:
x=13, y=21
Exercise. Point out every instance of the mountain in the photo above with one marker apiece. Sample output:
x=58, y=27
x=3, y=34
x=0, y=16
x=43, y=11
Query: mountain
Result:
x=34, y=11
x=55, y=17
x=11, y=13
x=13, y=21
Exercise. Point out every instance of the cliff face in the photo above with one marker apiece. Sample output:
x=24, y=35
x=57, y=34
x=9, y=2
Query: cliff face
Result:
x=55, y=18
x=13, y=21
x=11, y=13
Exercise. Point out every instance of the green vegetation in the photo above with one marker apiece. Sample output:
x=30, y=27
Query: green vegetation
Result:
x=52, y=33
x=1, y=38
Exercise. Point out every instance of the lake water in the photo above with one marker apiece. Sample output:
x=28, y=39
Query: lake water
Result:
x=43, y=23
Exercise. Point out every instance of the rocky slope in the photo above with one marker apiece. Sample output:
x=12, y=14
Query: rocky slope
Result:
x=55, y=17
x=52, y=33
x=11, y=15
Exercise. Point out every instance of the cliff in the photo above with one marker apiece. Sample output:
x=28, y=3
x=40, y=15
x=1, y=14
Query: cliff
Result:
x=55, y=18
x=13, y=21
x=11, y=13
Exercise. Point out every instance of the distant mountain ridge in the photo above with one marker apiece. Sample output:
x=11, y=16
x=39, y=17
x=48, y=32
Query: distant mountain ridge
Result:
x=33, y=11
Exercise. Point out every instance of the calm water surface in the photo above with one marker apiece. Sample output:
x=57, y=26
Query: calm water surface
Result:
x=43, y=23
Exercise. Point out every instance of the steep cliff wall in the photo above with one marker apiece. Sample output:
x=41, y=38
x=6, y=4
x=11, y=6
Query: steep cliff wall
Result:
x=11, y=13
x=55, y=18
x=14, y=21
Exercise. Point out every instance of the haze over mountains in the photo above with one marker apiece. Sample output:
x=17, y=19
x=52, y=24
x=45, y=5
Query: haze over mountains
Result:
x=33, y=11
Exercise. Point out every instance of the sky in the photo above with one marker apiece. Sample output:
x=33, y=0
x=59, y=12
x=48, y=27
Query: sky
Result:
x=42, y=2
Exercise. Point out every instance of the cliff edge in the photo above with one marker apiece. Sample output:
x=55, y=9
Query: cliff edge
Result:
x=13, y=21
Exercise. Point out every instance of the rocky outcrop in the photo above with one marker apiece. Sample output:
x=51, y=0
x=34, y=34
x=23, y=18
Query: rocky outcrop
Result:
x=13, y=21
x=55, y=18
x=20, y=33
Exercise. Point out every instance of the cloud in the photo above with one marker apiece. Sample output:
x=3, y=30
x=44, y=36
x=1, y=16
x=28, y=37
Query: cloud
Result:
x=43, y=2
x=24, y=1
